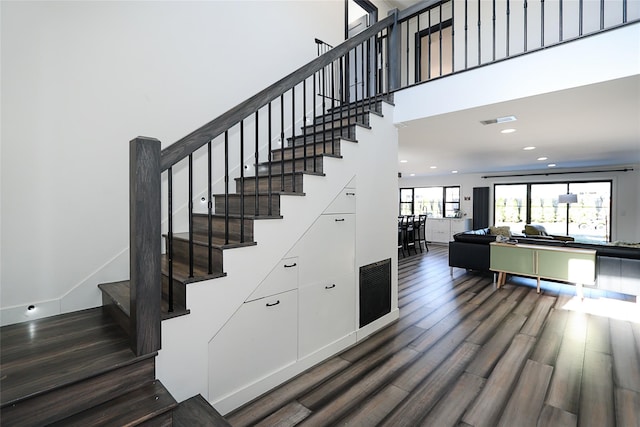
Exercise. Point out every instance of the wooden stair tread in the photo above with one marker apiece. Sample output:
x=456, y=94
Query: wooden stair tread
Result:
x=137, y=406
x=119, y=293
x=237, y=216
x=216, y=242
x=63, y=359
x=196, y=411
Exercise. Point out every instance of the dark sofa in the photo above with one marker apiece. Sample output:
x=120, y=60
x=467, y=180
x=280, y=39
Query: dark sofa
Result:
x=617, y=267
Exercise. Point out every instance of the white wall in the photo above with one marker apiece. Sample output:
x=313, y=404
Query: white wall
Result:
x=79, y=81
x=626, y=193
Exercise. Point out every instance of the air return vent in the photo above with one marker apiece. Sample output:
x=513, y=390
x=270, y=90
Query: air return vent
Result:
x=375, y=291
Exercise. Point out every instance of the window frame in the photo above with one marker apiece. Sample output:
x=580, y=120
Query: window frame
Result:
x=444, y=200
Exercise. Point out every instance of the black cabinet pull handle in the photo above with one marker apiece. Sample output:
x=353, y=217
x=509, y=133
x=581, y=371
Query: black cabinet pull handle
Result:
x=272, y=304
x=351, y=194
x=339, y=219
x=289, y=266
x=330, y=286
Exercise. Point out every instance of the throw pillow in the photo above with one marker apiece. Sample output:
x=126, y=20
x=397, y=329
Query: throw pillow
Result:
x=535, y=230
x=500, y=231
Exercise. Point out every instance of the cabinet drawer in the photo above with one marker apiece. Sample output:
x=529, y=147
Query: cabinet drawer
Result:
x=345, y=202
x=327, y=313
x=284, y=277
x=260, y=339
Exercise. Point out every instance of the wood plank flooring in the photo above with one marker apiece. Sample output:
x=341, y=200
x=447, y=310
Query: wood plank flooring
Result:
x=465, y=354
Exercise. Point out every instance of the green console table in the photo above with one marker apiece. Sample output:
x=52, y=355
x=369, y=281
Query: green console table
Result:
x=563, y=264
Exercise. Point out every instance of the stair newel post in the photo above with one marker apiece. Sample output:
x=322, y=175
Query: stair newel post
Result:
x=393, y=54
x=170, y=237
x=145, y=241
x=362, y=75
x=333, y=108
x=343, y=86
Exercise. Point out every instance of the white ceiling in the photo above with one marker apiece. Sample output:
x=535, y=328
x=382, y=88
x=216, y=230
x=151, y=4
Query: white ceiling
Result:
x=589, y=126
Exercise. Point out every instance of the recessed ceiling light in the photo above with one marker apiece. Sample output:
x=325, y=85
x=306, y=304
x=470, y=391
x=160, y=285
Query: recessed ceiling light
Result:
x=529, y=148
x=551, y=165
x=454, y=171
x=404, y=161
x=413, y=174
x=510, y=130
x=542, y=158
x=433, y=167
x=504, y=119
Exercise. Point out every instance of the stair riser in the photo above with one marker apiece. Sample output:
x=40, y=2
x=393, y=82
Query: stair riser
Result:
x=200, y=255
x=326, y=123
x=306, y=164
x=330, y=134
x=276, y=184
x=179, y=293
x=249, y=205
x=60, y=403
x=353, y=109
x=201, y=227
x=311, y=149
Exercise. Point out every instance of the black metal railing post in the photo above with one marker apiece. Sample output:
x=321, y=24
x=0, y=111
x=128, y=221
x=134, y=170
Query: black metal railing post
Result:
x=144, y=239
x=393, y=54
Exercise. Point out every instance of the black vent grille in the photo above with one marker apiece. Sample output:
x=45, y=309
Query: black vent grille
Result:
x=375, y=291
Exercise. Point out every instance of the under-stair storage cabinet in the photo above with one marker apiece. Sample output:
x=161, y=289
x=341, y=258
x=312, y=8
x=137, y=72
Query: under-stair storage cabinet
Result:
x=327, y=291
x=261, y=338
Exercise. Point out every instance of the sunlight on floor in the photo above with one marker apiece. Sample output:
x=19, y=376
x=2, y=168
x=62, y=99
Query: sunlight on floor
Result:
x=606, y=307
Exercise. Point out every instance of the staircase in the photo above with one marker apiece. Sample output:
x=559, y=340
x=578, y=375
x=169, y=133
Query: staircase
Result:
x=78, y=368
x=281, y=177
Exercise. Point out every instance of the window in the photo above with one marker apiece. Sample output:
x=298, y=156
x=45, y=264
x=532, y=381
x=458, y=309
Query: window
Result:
x=435, y=202
x=588, y=220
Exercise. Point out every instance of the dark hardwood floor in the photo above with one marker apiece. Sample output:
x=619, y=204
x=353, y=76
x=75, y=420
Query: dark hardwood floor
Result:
x=465, y=354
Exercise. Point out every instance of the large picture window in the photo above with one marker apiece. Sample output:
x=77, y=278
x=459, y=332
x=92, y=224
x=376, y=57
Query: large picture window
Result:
x=588, y=219
x=435, y=202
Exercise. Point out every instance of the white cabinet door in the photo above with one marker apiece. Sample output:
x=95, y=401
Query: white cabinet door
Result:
x=327, y=313
x=327, y=249
x=261, y=338
x=345, y=202
x=439, y=230
x=284, y=277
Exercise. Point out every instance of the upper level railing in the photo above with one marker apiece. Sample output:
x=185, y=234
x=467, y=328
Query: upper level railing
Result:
x=267, y=141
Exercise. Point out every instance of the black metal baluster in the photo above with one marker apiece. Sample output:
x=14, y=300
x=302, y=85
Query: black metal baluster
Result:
x=508, y=26
x=407, y=52
x=440, y=39
x=355, y=86
x=429, y=46
x=362, y=75
x=417, y=69
x=304, y=124
x=466, y=33
x=293, y=138
x=270, y=158
x=453, y=37
x=494, y=30
x=526, y=22
x=209, y=208
x=541, y=23
x=479, y=35
x=324, y=112
x=333, y=108
x=580, y=17
x=602, y=14
x=561, y=17
x=170, y=238
x=256, y=209
x=226, y=187
x=242, y=181
x=282, y=143
x=624, y=11
x=190, y=215
x=315, y=114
